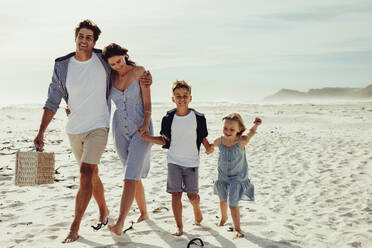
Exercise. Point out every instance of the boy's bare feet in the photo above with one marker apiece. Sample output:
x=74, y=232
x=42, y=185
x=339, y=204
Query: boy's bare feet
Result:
x=198, y=216
x=239, y=234
x=222, y=221
x=117, y=229
x=179, y=232
x=143, y=217
x=71, y=237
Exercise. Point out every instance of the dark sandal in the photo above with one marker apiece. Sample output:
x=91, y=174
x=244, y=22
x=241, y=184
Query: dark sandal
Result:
x=99, y=225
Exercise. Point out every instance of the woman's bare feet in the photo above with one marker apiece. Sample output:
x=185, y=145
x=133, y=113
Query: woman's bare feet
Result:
x=179, y=232
x=103, y=217
x=117, y=229
x=222, y=221
x=71, y=237
x=239, y=234
x=142, y=217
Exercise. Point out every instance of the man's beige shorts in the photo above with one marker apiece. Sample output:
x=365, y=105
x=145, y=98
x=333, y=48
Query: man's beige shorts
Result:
x=88, y=147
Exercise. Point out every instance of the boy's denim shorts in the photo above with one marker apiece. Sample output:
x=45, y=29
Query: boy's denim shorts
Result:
x=182, y=179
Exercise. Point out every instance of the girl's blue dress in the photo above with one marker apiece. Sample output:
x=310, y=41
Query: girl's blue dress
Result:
x=233, y=183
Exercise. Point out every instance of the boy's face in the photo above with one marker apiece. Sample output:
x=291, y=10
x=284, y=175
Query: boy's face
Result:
x=181, y=97
x=230, y=128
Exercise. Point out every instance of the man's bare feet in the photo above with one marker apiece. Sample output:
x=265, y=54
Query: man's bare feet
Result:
x=142, y=217
x=179, y=232
x=222, y=222
x=117, y=229
x=71, y=237
x=239, y=234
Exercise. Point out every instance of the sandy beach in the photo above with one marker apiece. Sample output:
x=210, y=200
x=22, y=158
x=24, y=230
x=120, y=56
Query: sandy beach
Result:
x=311, y=165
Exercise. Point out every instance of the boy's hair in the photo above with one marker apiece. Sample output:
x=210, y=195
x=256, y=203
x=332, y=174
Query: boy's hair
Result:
x=116, y=50
x=181, y=84
x=239, y=119
x=88, y=24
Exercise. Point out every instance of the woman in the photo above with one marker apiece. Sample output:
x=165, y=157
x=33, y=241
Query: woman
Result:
x=131, y=119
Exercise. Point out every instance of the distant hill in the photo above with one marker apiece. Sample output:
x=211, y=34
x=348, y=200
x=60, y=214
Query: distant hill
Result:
x=328, y=93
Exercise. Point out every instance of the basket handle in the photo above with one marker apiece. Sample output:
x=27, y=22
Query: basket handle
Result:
x=38, y=148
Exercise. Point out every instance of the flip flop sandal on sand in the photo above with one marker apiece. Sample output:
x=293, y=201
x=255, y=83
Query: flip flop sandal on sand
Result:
x=129, y=228
x=99, y=225
x=230, y=229
x=158, y=210
x=195, y=242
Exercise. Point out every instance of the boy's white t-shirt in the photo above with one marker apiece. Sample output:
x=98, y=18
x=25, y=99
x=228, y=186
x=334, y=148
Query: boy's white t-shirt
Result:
x=183, y=150
x=86, y=87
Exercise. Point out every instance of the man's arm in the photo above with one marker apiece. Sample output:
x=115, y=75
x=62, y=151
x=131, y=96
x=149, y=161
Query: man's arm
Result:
x=45, y=120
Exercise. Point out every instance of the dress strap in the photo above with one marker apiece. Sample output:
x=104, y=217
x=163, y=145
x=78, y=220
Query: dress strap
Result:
x=220, y=142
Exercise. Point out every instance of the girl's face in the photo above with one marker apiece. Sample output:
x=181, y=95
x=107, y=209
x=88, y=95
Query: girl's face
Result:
x=117, y=62
x=230, y=128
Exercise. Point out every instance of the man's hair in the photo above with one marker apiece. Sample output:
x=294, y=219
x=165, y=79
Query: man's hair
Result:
x=236, y=117
x=116, y=50
x=181, y=84
x=88, y=24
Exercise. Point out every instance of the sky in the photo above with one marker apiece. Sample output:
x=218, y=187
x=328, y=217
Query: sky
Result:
x=235, y=51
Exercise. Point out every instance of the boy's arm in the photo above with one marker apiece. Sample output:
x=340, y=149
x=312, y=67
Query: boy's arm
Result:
x=209, y=148
x=159, y=140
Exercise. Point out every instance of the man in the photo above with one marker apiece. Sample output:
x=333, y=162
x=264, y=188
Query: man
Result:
x=82, y=79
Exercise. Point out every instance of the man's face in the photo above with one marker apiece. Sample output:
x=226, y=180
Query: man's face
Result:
x=85, y=40
x=181, y=97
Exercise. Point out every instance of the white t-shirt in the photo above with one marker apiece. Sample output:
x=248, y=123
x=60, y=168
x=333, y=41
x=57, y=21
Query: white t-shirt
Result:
x=183, y=150
x=86, y=87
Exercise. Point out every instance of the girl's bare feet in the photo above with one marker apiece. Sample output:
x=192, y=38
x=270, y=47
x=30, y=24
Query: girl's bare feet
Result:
x=239, y=234
x=71, y=237
x=179, y=232
x=117, y=229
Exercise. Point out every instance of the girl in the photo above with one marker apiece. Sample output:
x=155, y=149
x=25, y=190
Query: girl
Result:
x=233, y=183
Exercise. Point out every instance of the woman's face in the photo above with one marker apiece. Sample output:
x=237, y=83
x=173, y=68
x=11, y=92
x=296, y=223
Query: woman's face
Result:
x=117, y=62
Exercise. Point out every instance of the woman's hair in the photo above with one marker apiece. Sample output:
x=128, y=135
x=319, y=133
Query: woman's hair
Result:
x=116, y=50
x=236, y=117
x=88, y=24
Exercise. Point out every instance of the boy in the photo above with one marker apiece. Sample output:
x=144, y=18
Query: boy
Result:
x=183, y=130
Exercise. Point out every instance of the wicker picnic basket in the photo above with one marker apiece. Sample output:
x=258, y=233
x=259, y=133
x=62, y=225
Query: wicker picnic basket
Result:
x=34, y=168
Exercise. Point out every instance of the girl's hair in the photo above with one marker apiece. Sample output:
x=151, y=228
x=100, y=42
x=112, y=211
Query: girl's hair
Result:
x=116, y=50
x=236, y=117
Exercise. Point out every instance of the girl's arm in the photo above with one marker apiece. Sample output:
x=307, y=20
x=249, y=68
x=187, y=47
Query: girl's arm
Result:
x=245, y=138
x=216, y=142
x=146, y=99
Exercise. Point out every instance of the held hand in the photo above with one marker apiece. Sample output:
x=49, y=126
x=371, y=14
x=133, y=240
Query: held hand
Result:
x=146, y=79
x=210, y=149
x=144, y=130
x=257, y=121
x=39, y=141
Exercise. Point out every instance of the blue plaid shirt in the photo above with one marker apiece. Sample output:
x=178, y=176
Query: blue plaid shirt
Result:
x=57, y=88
